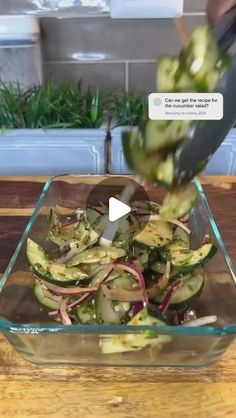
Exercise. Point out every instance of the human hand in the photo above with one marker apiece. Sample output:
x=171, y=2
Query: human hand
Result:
x=217, y=8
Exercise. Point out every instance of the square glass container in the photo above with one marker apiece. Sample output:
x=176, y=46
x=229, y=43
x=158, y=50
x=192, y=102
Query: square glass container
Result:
x=41, y=340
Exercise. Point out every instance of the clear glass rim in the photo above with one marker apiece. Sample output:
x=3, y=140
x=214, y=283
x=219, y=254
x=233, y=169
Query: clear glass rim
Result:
x=8, y=326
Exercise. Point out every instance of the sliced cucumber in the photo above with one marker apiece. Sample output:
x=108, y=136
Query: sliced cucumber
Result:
x=135, y=342
x=166, y=74
x=185, y=82
x=92, y=216
x=178, y=202
x=142, y=257
x=85, y=235
x=44, y=299
x=158, y=267
x=176, y=245
x=209, y=82
x=100, y=224
x=92, y=232
x=54, y=229
x=123, y=281
x=154, y=207
x=136, y=157
x=58, y=233
x=97, y=254
x=127, y=228
x=176, y=249
x=191, y=290
x=49, y=270
x=182, y=235
x=82, y=231
x=162, y=134
x=165, y=172
x=110, y=312
x=146, y=205
x=155, y=234
x=86, y=312
x=201, y=55
x=114, y=312
x=98, y=277
x=185, y=259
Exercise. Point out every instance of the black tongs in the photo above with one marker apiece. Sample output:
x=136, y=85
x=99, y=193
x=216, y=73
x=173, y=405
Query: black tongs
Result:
x=204, y=137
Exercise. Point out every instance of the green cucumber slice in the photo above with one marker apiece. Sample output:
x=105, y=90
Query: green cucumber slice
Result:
x=97, y=254
x=54, y=229
x=158, y=267
x=137, y=158
x=155, y=234
x=114, y=312
x=43, y=299
x=201, y=55
x=166, y=74
x=100, y=224
x=165, y=172
x=91, y=216
x=127, y=228
x=98, y=277
x=49, y=270
x=176, y=245
x=110, y=312
x=178, y=202
x=191, y=290
x=161, y=134
x=175, y=249
x=142, y=256
x=82, y=231
x=135, y=342
x=181, y=235
x=142, y=205
x=185, y=82
x=123, y=281
x=86, y=312
x=185, y=260
x=57, y=233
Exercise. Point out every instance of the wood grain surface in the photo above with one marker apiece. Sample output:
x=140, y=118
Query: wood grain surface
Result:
x=28, y=390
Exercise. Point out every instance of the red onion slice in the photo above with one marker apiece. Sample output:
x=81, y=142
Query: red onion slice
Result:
x=65, y=319
x=68, y=291
x=83, y=298
x=167, y=298
x=206, y=239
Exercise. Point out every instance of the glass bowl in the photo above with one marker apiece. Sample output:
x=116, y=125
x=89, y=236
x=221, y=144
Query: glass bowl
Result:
x=40, y=340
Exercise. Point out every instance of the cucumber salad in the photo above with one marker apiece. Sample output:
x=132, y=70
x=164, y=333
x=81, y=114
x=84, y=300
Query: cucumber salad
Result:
x=150, y=275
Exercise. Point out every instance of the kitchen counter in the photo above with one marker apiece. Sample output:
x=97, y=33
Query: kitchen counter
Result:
x=28, y=390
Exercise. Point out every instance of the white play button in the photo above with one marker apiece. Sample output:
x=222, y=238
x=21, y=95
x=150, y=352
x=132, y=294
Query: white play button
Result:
x=117, y=209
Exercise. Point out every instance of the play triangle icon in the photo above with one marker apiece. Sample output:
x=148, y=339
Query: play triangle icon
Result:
x=117, y=209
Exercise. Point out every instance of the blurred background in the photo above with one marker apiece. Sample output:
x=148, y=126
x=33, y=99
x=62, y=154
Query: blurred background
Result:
x=123, y=52
x=72, y=40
